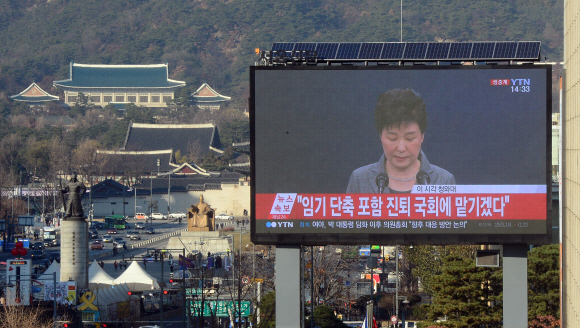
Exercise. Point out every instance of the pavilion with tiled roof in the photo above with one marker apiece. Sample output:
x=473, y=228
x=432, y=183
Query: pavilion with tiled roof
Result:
x=207, y=98
x=34, y=96
x=143, y=85
x=179, y=137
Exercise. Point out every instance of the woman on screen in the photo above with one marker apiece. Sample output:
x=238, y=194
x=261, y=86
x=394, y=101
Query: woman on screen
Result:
x=401, y=121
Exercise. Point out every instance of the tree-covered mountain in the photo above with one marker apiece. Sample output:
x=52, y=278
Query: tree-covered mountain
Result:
x=214, y=40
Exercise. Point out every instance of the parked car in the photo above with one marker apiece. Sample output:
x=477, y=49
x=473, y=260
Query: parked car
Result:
x=158, y=216
x=112, y=231
x=37, y=255
x=107, y=239
x=177, y=215
x=54, y=257
x=140, y=216
x=139, y=225
x=149, y=230
x=97, y=244
x=224, y=216
x=37, y=245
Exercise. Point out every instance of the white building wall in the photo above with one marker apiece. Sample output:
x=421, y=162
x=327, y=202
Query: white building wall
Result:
x=232, y=199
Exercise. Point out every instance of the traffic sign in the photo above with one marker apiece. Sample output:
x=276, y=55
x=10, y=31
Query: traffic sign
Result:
x=394, y=320
x=245, y=280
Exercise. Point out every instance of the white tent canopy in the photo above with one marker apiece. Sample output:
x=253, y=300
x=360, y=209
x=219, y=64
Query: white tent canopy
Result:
x=98, y=276
x=111, y=294
x=47, y=275
x=136, y=278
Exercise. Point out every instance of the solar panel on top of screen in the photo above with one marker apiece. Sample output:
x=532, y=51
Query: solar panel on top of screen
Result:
x=505, y=50
x=304, y=46
x=326, y=50
x=348, y=51
x=288, y=46
x=370, y=51
x=528, y=49
x=460, y=50
x=415, y=50
x=437, y=50
x=393, y=51
x=482, y=50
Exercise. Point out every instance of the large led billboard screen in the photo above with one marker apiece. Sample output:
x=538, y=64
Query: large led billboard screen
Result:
x=401, y=154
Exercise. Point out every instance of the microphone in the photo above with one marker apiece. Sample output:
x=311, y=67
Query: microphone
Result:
x=382, y=181
x=423, y=178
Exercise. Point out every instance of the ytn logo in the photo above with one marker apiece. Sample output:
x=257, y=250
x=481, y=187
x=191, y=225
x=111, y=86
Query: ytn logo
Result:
x=279, y=224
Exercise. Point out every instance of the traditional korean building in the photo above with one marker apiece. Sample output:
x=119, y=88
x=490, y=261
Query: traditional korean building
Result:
x=179, y=137
x=207, y=98
x=143, y=85
x=34, y=96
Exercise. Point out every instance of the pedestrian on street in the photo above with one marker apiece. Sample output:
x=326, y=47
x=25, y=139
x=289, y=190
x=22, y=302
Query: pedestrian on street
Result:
x=145, y=263
x=115, y=264
x=171, y=268
x=238, y=222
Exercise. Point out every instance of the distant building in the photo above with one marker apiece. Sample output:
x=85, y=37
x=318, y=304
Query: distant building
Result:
x=34, y=96
x=143, y=85
x=207, y=98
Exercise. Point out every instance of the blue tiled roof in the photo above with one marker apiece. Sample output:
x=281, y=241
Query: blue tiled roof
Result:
x=119, y=76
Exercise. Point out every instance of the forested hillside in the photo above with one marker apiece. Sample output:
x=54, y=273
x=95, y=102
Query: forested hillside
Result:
x=214, y=40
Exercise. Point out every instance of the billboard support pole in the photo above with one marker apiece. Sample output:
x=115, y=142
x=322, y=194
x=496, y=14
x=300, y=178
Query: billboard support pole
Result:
x=287, y=286
x=515, y=286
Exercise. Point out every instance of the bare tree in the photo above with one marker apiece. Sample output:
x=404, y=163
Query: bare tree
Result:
x=195, y=152
x=59, y=155
x=10, y=151
x=83, y=156
x=24, y=316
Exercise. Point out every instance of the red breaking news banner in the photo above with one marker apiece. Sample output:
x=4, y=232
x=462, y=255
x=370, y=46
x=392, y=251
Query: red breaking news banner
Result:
x=425, y=202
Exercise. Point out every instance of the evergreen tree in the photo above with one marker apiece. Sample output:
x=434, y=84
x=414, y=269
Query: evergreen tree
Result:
x=466, y=295
x=543, y=282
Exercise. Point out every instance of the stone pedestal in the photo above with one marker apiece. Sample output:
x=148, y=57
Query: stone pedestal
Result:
x=74, y=251
x=191, y=240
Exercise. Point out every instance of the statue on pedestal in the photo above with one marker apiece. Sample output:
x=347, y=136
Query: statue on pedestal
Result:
x=75, y=189
x=200, y=216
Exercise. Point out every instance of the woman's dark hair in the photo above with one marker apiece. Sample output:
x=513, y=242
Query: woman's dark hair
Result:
x=397, y=106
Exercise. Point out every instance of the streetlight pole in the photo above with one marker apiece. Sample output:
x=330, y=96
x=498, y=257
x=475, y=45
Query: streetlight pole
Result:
x=397, y=281
x=401, y=20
